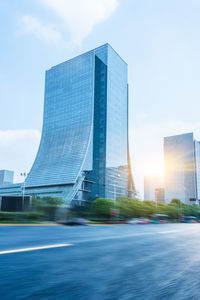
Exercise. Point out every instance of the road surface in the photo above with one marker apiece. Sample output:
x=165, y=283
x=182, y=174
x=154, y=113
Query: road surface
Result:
x=113, y=262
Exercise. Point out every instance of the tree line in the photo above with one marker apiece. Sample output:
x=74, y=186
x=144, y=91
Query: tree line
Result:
x=134, y=208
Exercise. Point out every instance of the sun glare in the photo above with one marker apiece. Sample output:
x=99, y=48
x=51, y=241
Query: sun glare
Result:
x=153, y=168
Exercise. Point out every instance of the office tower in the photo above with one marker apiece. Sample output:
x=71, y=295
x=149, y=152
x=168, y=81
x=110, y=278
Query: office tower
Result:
x=182, y=168
x=83, y=153
x=151, y=183
x=197, y=167
x=159, y=195
x=6, y=177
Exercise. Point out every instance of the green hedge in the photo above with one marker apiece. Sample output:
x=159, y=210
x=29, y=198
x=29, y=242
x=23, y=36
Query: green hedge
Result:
x=21, y=216
x=134, y=208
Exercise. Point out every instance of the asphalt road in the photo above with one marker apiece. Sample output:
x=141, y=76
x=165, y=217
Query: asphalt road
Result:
x=100, y=262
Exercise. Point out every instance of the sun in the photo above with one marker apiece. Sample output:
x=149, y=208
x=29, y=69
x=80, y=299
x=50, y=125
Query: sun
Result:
x=153, y=168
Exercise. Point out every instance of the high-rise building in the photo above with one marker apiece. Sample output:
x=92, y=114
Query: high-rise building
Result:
x=151, y=183
x=6, y=177
x=83, y=153
x=160, y=195
x=182, y=168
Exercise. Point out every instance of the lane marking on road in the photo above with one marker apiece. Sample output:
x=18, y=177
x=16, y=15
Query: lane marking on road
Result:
x=169, y=231
x=34, y=248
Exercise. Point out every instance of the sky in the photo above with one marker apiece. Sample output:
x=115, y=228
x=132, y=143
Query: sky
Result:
x=158, y=39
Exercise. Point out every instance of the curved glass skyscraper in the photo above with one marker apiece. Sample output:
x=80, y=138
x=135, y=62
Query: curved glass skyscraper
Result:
x=83, y=153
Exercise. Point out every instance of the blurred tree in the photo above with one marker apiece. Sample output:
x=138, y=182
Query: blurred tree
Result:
x=149, y=208
x=130, y=208
x=54, y=201
x=176, y=202
x=191, y=210
x=78, y=211
x=48, y=205
x=36, y=202
x=172, y=211
x=101, y=207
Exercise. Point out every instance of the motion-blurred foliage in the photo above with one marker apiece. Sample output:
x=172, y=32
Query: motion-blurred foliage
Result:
x=21, y=216
x=134, y=208
x=101, y=207
x=47, y=206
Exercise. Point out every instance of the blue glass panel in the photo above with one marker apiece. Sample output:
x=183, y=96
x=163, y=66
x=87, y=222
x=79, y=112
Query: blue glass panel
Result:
x=67, y=124
x=99, y=140
x=117, y=127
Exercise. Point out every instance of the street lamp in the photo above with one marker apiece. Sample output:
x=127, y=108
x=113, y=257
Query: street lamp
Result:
x=23, y=188
x=114, y=187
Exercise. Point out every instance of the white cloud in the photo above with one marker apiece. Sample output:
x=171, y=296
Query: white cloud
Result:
x=18, y=149
x=80, y=16
x=40, y=30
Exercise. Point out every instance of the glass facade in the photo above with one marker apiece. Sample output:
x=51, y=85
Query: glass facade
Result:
x=6, y=176
x=151, y=184
x=197, y=160
x=180, y=168
x=67, y=125
x=84, y=143
x=117, y=126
